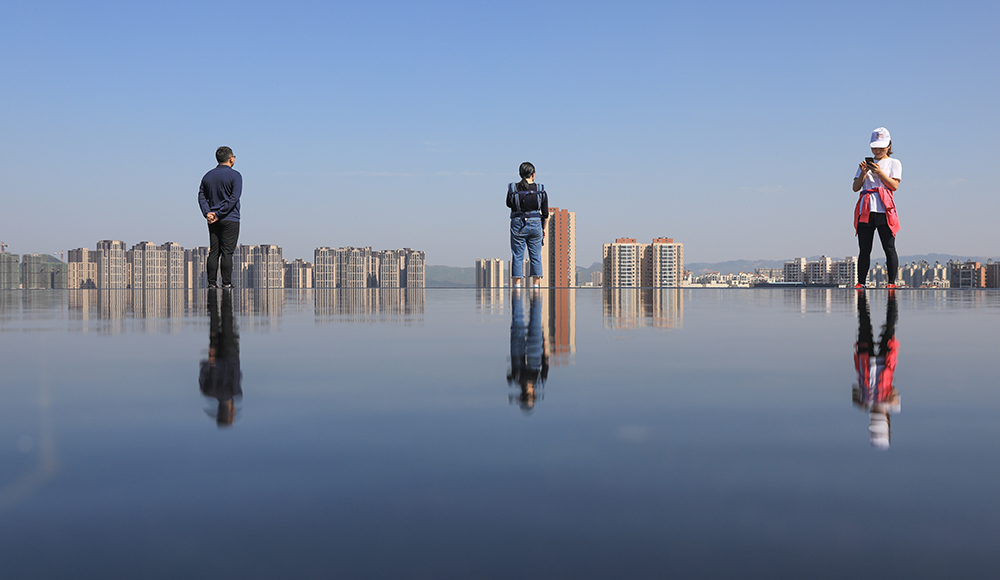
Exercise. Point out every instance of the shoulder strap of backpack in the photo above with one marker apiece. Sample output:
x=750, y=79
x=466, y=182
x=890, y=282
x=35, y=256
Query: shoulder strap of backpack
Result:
x=512, y=189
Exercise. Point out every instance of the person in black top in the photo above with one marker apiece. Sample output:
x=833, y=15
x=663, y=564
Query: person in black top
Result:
x=219, y=199
x=529, y=208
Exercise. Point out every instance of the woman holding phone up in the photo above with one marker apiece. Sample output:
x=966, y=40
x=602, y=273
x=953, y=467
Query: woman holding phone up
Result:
x=877, y=179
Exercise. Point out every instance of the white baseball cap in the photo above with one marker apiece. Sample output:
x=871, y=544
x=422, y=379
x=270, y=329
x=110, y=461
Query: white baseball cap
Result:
x=880, y=138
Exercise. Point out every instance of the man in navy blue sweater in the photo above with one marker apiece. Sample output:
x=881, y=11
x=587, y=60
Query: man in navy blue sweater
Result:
x=219, y=198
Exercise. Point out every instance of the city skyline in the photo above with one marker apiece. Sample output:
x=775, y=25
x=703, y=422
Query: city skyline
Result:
x=639, y=131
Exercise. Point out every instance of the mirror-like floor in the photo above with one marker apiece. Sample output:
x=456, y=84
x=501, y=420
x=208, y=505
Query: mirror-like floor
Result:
x=460, y=433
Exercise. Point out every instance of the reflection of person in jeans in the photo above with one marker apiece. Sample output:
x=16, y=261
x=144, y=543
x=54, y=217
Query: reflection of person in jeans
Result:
x=529, y=365
x=875, y=391
x=220, y=376
x=529, y=208
x=219, y=198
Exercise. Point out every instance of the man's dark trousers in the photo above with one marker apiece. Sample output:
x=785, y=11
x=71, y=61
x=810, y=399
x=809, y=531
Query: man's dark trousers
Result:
x=222, y=236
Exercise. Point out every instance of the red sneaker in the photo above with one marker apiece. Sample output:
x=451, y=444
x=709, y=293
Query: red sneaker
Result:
x=859, y=286
x=890, y=286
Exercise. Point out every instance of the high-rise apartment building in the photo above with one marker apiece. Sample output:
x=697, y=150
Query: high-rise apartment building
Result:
x=81, y=265
x=414, y=269
x=356, y=268
x=325, y=264
x=364, y=268
x=629, y=264
x=268, y=269
x=33, y=272
x=149, y=266
x=795, y=271
x=390, y=267
x=41, y=271
x=968, y=275
x=112, y=264
x=195, y=272
x=665, y=262
x=298, y=274
x=173, y=255
x=10, y=271
x=992, y=275
x=559, y=249
x=622, y=262
x=490, y=273
x=258, y=266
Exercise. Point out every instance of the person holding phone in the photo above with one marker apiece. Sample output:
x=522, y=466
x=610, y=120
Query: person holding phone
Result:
x=877, y=179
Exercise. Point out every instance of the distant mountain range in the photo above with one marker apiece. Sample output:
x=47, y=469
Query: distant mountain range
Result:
x=451, y=277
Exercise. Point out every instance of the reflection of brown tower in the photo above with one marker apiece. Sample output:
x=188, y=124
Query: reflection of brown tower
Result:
x=559, y=314
x=635, y=307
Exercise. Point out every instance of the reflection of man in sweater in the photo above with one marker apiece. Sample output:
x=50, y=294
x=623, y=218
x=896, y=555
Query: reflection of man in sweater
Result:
x=219, y=198
x=220, y=376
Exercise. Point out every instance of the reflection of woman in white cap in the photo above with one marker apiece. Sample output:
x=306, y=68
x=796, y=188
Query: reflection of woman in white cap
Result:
x=875, y=390
x=877, y=179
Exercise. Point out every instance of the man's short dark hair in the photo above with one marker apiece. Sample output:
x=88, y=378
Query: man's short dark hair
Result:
x=222, y=154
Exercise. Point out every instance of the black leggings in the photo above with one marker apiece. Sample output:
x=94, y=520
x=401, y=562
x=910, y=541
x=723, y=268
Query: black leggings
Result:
x=866, y=235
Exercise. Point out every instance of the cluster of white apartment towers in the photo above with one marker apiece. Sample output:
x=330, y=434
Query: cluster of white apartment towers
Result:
x=147, y=265
x=629, y=264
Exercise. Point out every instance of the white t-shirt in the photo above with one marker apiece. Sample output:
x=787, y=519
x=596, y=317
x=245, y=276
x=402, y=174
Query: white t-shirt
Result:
x=893, y=168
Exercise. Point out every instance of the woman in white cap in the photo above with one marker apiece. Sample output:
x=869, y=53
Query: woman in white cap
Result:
x=877, y=179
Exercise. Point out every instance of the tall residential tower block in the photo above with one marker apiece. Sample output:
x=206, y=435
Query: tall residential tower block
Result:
x=630, y=264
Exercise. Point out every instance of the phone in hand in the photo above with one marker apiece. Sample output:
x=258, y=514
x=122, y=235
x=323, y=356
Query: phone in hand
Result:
x=870, y=161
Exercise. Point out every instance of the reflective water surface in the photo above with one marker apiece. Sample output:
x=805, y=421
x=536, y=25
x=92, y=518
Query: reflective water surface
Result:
x=461, y=433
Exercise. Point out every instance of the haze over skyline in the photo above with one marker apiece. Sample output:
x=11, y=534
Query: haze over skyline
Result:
x=733, y=127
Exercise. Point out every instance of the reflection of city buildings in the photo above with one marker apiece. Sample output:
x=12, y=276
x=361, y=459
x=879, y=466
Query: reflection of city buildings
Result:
x=366, y=268
x=629, y=264
x=817, y=299
x=261, y=301
x=559, y=318
x=633, y=307
x=369, y=304
x=159, y=310
x=492, y=299
x=490, y=273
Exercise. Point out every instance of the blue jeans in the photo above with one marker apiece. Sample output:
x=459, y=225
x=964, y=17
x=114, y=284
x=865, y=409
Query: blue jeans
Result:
x=525, y=232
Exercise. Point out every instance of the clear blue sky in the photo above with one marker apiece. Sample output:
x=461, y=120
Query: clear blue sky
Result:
x=733, y=127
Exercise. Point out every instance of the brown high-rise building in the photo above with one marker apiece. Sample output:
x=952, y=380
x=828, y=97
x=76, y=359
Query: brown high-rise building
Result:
x=559, y=251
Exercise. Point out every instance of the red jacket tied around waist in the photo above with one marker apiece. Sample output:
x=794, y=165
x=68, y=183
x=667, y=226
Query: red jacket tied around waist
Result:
x=861, y=210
